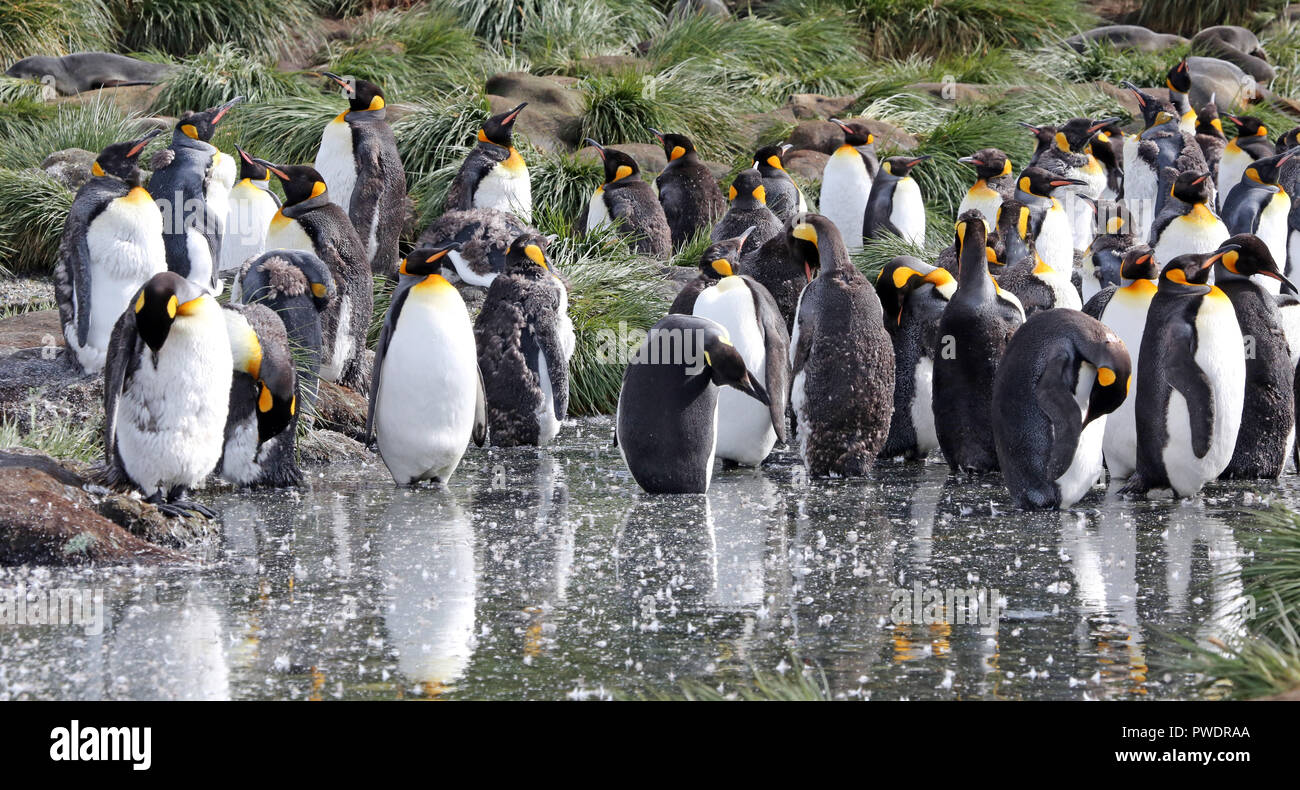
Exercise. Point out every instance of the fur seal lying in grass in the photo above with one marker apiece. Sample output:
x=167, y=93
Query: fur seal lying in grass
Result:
x=1125, y=37
x=88, y=71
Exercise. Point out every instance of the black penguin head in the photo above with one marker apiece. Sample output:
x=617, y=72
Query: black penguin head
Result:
x=747, y=190
x=527, y=255
x=1074, y=135
x=301, y=182
x=1207, y=121
x=1150, y=105
x=1010, y=243
x=498, y=129
x=1192, y=187
x=362, y=95
x=1246, y=254
x=202, y=125
x=1138, y=264
x=1113, y=219
x=727, y=368
x=1042, y=183
x=989, y=163
x=1189, y=270
x=1288, y=140
x=1114, y=375
x=973, y=252
x=1248, y=126
x=722, y=258
x=251, y=168
x=1179, y=79
x=901, y=166
x=427, y=259
x=805, y=236
x=856, y=133
x=1267, y=170
x=618, y=165
x=277, y=400
x=162, y=300
x=1044, y=136
x=770, y=158
x=675, y=145
x=122, y=160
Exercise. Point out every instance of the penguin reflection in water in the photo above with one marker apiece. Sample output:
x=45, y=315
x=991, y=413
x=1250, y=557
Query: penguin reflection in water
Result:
x=1062, y=372
x=426, y=394
x=666, y=423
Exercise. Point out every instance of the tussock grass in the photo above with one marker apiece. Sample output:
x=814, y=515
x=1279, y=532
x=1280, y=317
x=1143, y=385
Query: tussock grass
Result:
x=285, y=130
x=553, y=42
x=59, y=437
x=32, y=136
x=564, y=181
x=33, y=207
x=187, y=27
x=875, y=253
x=1282, y=43
x=504, y=23
x=220, y=73
x=13, y=89
x=1102, y=61
x=434, y=138
x=968, y=128
x=53, y=27
x=1187, y=17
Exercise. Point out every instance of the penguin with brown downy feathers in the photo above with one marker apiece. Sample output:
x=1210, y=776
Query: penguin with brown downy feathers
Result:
x=630, y=205
x=688, y=191
x=784, y=277
x=748, y=209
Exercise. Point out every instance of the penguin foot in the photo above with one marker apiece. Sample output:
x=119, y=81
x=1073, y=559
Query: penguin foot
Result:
x=181, y=508
x=1135, y=487
x=729, y=465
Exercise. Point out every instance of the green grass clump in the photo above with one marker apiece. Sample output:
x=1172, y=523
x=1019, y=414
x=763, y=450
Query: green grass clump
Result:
x=33, y=207
x=1282, y=43
x=52, y=27
x=564, y=181
x=220, y=73
x=434, y=138
x=504, y=23
x=554, y=42
x=57, y=436
x=285, y=130
x=187, y=27
x=1188, y=17
x=1101, y=60
x=32, y=136
x=13, y=89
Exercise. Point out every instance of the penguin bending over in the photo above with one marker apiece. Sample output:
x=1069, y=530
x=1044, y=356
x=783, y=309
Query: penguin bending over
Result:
x=1039, y=286
x=1062, y=373
x=994, y=182
x=263, y=414
x=112, y=244
x=720, y=259
x=688, y=192
x=630, y=204
x=1258, y=204
x=310, y=221
x=1188, y=225
x=1240, y=152
x=895, y=205
x=783, y=196
x=167, y=392
x=194, y=179
x=913, y=295
x=666, y=423
x=524, y=363
x=748, y=209
x=1191, y=381
x=841, y=357
x=252, y=205
x=494, y=174
x=847, y=179
x=426, y=393
x=483, y=235
x=358, y=158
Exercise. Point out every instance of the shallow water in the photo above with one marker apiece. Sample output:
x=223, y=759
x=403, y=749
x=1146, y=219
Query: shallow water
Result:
x=548, y=574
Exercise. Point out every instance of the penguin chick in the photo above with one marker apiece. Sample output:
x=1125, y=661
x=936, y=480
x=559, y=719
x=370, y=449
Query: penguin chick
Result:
x=1187, y=223
x=847, y=179
x=688, y=192
x=630, y=204
x=895, y=205
x=494, y=175
x=262, y=419
x=783, y=196
x=720, y=259
x=748, y=209
x=1062, y=373
x=994, y=182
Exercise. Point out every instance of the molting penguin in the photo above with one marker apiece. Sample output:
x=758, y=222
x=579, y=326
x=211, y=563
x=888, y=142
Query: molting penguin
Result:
x=358, y=158
x=1191, y=381
x=521, y=354
x=1061, y=374
x=720, y=259
x=842, y=358
x=1071, y=155
x=630, y=204
x=1038, y=286
x=1187, y=224
x=1103, y=258
x=494, y=174
x=426, y=393
x=666, y=424
x=1210, y=137
x=263, y=415
x=194, y=179
x=994, y=182
x=252, y=205
x=1049, y=225
x=310, y=221
x=913, y=295
x=1258, y=204
x=773, y=267
x=748, y=209
x=1141, y=178
x=688, y=191
x=112, y=243
x=895, y=205
x=971, y=336
x=484, y=236
x=846, y=181
x=1240, y=152
x=167, y=392
x=783, y=196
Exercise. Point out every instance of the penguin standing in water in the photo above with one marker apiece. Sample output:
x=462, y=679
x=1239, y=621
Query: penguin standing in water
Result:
x=112, y=243
x=193, y=179
x=523, y=361
x=666, y=423
x=1104, y=257
x=167, y=392
x=299, y=287
x=895, y=205
x=994, y=182
x=1258, y=204
x=1187, y=224
x=1251, y=143
x=1210, y=137
x=846, y=181
x=494, y=174
x=748, y=209
x=842, y=358
x=630, y=204
x=252, y=205
x=310, y=221
x=1268, y=414
x=971, y=336
x=783, y=196
x=688, y=191
x=358, y=158
x=263, y=414
x=1124, y=308
x=1191, y=381
x=426, y=393
x=1062, y=373
x=913, y=295
x=720, y=259
x=1049, y=225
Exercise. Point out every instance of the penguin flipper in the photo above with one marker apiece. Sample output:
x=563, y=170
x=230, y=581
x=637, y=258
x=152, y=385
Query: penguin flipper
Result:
x=381, y=348
x=1097, y=304
x=776, y=345
x=123, y=355
x=1054, y=393
x=479, y=434
x=1187, y=378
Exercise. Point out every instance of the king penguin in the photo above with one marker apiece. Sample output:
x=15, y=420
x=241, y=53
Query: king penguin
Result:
x=193, y=179
x=1187, y=224
x=630, y=204
x=1250, y=143
x=1062, y=373
x=895, y=205
x=426, y=393
x=1038, y=286
x=1258, y=204
x=720, y=259
x=747, y=209
x=1050, y=226
x=846, y=181
x=783, y=196
x=1141, y=181
x=773, y=267
x=310, y=221
x=263, y=414
x=167, y=392
x=1179, y=83
x=1191, y=381
x=688, y=192
x=1103, y=258
x=972, y=334
x=521, y=354
x=358, y=158
x=252, y=205
x=842, y=358
x=112, y=244
x=494, y=174
x=994, y=182
x=913, y=295
x=1210, y=137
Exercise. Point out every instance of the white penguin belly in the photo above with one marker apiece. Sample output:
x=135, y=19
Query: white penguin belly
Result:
x=1232, y=166
x=337, y=164
x=505, y=189
x=1194, y=233
x=907, y=213
x=1055, y=241
x=1272, y=231
x=1292, y=253
x=846, y=186
x=1126, y=315
x=744, y=433
x=1063, y=291
x=927, y=438
x=424, y=414
x=597, y=213
x=247, y=223
x=1140, y=186
x=331, y=365
x=1291, y=328
x=983, y=199
x=221, y=180
x=1086, y=467
x=239, y=458
x=547, y=424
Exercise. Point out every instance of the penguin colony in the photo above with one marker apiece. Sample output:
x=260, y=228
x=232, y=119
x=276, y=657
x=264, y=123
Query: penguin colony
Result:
x=1117, y=306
